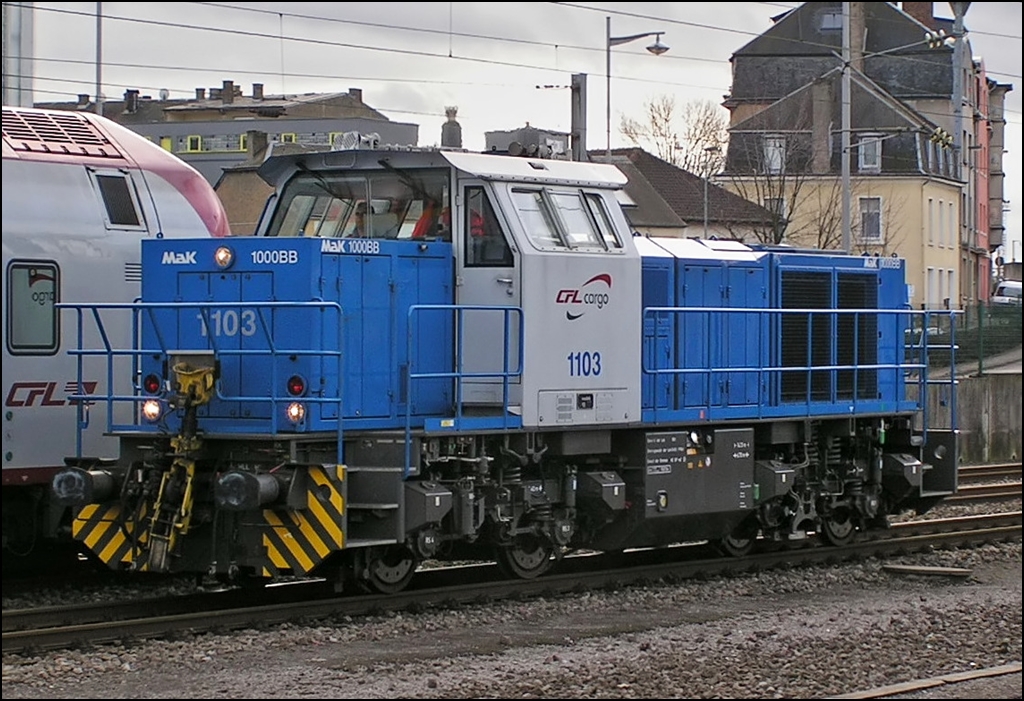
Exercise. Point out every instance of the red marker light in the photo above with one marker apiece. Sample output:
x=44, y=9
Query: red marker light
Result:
x=296, y=385
x=151, y=384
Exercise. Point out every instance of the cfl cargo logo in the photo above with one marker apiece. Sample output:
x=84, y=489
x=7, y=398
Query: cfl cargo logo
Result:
x=185, y=258
x=594, y=293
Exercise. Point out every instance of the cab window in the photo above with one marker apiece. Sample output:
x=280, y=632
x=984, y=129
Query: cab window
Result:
x=560, y=218
x=485, y=243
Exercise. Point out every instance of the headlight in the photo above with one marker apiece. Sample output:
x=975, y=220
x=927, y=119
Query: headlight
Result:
x=224, y=257
x=296, y=412
x=151, y=409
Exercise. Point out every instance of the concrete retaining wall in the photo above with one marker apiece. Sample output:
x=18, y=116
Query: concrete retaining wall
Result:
x=989, y=414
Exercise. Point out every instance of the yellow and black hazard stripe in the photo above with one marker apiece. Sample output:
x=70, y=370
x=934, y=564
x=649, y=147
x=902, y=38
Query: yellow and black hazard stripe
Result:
x=101, y=529
x=299, y=540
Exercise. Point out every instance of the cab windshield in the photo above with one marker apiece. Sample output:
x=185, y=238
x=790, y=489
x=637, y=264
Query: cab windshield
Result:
x=381, y=205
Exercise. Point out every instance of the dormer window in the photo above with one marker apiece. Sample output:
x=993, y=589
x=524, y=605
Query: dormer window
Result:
x=832, y=19
x=774, y=154
x=869, y=153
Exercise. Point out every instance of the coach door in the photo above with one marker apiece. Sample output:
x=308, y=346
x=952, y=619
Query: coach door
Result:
x=489, y=275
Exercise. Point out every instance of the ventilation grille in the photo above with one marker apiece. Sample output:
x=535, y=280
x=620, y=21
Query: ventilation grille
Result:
x=63, y=133
x=857, y=337
x=133, y=272
x=806, y=339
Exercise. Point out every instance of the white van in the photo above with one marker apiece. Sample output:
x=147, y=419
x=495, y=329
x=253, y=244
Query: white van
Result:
x=1007, y=292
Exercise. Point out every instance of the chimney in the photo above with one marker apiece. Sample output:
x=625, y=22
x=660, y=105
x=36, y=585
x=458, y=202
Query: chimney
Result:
x=858, y=35
x=83, y=100
x=822, y=99
x=257, y=91
x=922, y=12
x=356, y=94
x=256, y=143
x=200, y=93
x=227, y=93
x=451, y=131
x=131, y=101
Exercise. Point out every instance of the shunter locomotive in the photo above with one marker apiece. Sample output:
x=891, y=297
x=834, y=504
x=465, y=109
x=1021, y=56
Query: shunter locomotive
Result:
x=435, y=354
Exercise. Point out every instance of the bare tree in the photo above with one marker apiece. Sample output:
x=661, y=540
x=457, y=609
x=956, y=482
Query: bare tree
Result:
x=681, y=136
x=819, y=201
x=772, y=174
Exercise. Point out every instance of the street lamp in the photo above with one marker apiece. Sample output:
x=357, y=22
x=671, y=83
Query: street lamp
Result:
x=657, y=48
x=708, y=150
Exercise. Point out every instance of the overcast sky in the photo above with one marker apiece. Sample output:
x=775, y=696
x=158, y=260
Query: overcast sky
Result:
x=501, y=63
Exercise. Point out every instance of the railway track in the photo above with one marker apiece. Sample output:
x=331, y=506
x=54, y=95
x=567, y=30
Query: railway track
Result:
x=992, y=482
x=971, y=473
x=67, y=627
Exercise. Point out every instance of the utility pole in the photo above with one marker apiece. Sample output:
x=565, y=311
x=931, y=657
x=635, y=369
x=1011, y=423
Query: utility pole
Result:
x=99, y=58
x=845, y=119
x=964, y=173
x=578, y=112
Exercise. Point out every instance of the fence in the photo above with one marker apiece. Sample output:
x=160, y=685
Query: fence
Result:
x=983, y=333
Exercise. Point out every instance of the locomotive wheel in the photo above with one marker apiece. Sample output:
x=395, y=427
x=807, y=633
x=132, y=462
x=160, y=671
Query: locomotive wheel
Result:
x=740, y=542
x=838, y=528
x=528, y=556
x=737, y=546
x=390, y=569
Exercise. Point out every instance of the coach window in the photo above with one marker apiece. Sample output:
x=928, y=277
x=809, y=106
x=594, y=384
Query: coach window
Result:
x=32, y=295
x=486, y=246
x=120, y=203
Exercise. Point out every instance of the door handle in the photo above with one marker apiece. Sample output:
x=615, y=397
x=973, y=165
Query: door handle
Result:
x=504, y=280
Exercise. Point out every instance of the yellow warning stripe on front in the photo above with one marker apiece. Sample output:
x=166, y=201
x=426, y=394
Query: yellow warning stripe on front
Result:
x=331, y=512
x=300, y=540
x=99, y=529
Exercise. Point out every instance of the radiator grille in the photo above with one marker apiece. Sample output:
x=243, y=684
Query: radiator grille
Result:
x=66, y=132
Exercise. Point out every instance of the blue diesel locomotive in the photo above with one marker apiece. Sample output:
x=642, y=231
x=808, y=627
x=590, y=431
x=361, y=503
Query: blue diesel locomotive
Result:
x=437, y=354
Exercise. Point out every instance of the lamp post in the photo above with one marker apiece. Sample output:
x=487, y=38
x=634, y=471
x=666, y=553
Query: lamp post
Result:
x=708, y=150
x=657, y=48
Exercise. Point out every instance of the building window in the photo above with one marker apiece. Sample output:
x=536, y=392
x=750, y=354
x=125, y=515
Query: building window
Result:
x=869, y=153
x=774, y=154
x=951, y=221
x=777, y=206
x=931, y=221
x=193, y=143
x=831, y=19
x=871, y=219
